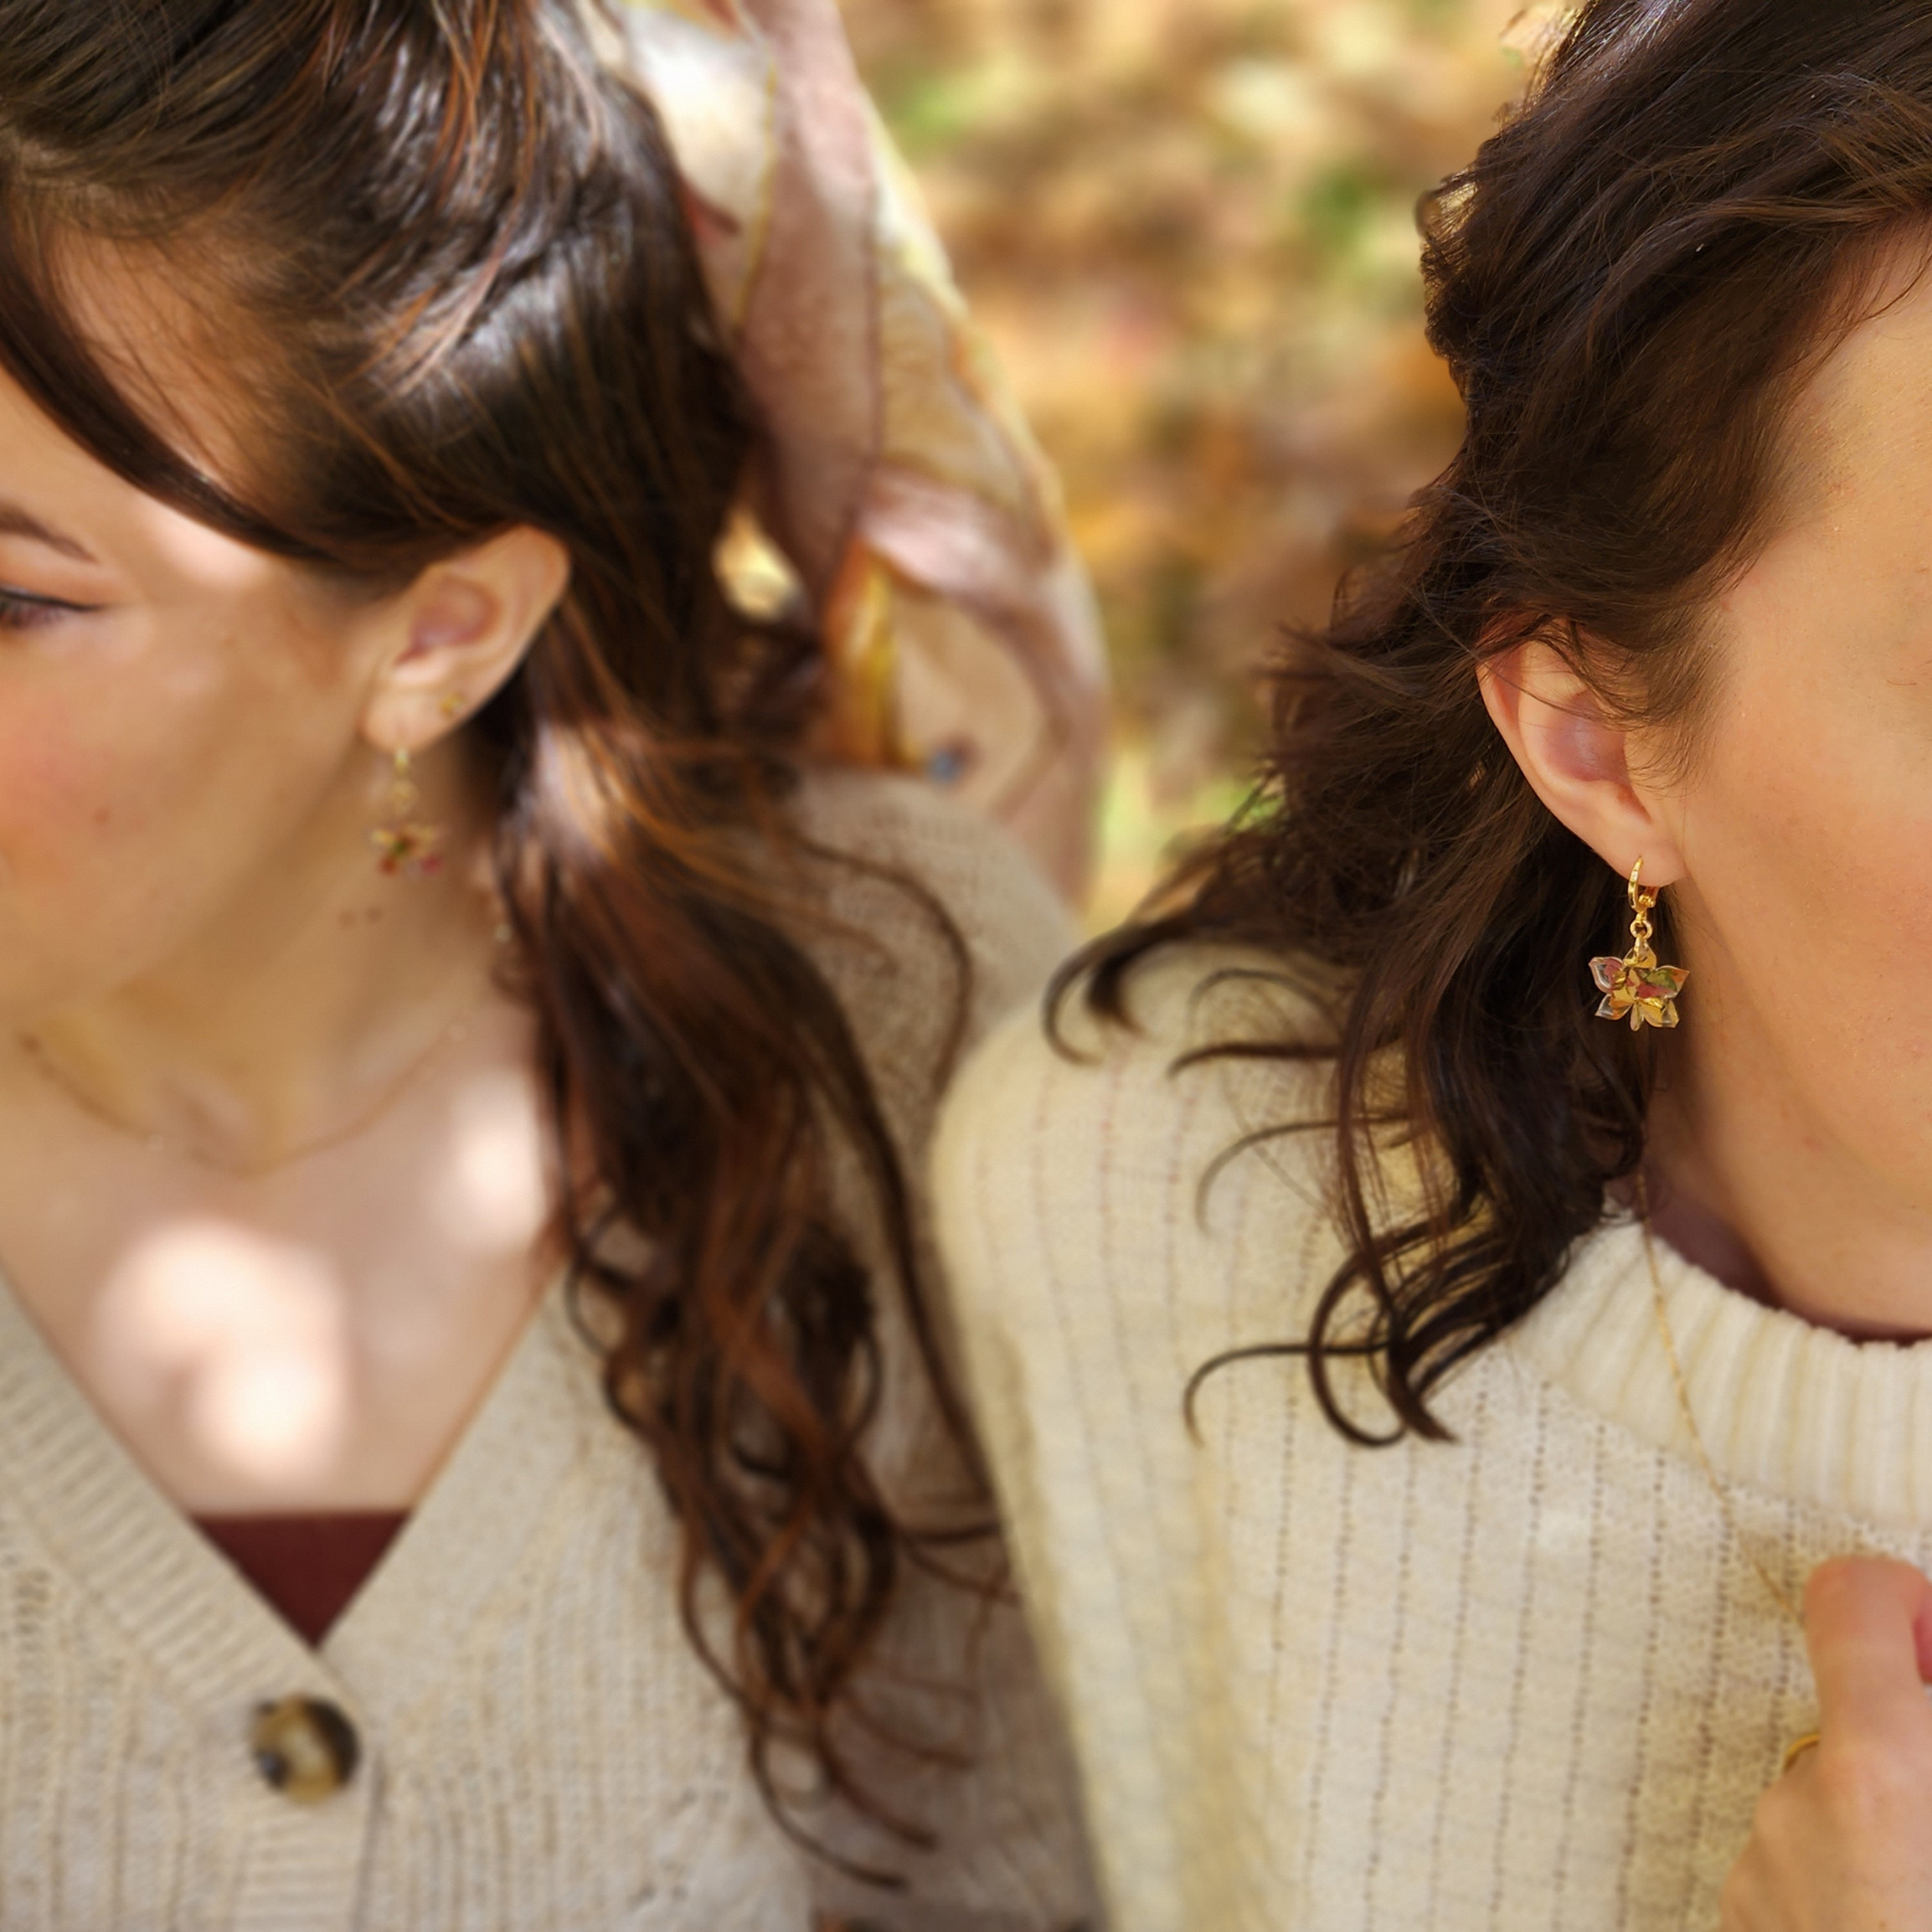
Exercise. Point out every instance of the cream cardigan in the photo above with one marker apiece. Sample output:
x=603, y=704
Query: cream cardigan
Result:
x=1523, y=1680
x=540, y=1747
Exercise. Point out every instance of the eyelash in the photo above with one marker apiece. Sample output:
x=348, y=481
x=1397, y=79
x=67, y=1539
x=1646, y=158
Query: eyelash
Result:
x=18, y=612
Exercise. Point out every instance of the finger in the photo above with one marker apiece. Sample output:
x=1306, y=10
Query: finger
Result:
x=1866, y=1622
x=1747, y=1901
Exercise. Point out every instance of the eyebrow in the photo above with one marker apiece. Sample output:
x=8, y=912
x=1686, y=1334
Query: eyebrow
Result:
x=17, y=522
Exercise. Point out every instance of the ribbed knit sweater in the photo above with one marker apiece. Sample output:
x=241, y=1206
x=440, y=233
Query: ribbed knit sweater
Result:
x=1524, y=1679
x=541, y=1750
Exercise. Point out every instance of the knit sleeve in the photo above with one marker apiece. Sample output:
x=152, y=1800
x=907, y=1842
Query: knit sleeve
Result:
x=1088, y=1280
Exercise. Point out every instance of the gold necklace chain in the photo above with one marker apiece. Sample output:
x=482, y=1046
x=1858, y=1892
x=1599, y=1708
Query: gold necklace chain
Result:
x=157, y=1141
x=1776, y=1591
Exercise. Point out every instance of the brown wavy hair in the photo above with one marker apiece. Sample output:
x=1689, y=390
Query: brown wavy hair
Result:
x=442, y=252
x=1632, y=283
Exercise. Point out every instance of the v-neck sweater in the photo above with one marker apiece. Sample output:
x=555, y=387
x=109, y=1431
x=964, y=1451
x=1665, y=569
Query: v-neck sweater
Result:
x=1525, y=1677
x=538, y=1744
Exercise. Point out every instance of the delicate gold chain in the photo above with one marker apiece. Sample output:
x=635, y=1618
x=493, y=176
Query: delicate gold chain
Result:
x=1776, y=1591
x=157, y=1141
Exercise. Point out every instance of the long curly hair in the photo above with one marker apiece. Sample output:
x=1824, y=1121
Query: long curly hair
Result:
x=1632, y=283
x=442, y=252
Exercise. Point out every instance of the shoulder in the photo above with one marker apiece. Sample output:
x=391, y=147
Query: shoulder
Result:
x=1111, y=1222
x=1113, y=1177
x=931, y=909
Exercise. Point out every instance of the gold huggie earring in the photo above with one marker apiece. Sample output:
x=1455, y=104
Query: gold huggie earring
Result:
x=403, y=842
x=1636, y=984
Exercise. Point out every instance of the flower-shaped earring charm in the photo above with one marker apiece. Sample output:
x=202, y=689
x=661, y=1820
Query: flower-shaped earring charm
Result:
x=403, y=842
x=1636, y=987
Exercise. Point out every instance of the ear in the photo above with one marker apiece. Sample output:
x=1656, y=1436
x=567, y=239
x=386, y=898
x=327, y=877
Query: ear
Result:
x=1577, y=761
x=460, y=631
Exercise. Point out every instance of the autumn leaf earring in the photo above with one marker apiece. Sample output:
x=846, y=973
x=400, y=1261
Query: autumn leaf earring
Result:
x=1635, y=985
x=403, y=842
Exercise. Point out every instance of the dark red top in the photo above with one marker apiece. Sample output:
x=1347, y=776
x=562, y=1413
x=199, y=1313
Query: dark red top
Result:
x=306, y=1566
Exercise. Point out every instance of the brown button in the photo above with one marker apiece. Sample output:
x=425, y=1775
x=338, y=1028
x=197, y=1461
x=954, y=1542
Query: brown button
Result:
x=305, y=1747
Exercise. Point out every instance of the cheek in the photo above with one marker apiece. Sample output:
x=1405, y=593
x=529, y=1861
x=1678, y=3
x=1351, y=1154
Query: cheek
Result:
x=76, y=794
x=1810, y=840
x=131, y=805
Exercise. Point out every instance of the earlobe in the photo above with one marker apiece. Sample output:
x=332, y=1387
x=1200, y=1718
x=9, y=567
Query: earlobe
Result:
x=1576, y=756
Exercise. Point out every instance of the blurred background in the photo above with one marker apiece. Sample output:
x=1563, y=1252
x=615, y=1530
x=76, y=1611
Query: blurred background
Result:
x=1187, y=230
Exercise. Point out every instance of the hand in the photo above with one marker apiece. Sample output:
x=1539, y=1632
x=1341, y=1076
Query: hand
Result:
x=1843, y=1840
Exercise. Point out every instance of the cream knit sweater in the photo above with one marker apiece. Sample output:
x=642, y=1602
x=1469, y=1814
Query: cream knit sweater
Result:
x=541, y=1750
x=1519, y=1681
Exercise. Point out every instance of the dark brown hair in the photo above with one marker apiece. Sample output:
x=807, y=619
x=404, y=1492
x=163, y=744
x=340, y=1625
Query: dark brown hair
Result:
x=443, y=254
x=1630, y=282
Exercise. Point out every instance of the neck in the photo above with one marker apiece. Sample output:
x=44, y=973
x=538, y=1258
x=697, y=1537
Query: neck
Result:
x=1750, y=1182
x=315, y=991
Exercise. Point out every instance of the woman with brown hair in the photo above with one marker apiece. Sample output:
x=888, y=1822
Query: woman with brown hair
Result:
x=458, y=1073
x=1468, y=1259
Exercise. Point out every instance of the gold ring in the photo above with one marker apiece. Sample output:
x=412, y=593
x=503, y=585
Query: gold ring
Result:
x=1796, y=1750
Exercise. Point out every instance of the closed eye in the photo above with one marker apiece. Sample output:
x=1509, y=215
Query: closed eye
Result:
x=21, y=611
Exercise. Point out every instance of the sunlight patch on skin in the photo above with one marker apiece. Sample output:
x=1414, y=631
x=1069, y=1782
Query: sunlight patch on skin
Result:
x=490, y=1196
x=200, y=562
x=244, y=1337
